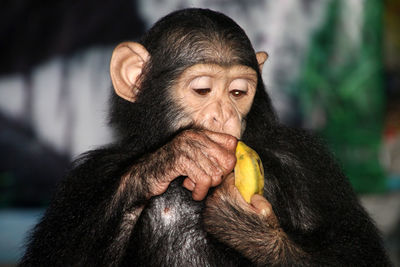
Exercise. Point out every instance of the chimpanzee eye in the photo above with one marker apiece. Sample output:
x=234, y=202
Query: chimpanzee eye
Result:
x=238, y=93
x=202, y=91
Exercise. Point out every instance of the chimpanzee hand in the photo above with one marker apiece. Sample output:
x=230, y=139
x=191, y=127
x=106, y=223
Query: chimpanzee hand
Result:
x=258, y=204
x=252, y=229
x=203, y=156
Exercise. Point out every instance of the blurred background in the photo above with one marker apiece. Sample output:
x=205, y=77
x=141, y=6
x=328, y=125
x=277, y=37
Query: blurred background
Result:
x=334, y=68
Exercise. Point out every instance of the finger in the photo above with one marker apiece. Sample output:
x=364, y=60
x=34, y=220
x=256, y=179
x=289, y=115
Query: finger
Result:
x=188, y=184
x=216, y=180
x=229, y=142
x=224, y=159
x=229, y=183
x=207, y=155
x=210, y=166
x=230, y=178
x=201, y=189
x=218, y=147
x=200, y=179
x=261, y=205
x=217, y=160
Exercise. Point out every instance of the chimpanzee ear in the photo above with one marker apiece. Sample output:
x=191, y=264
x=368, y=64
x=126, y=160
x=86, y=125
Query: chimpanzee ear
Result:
x=126, y=65
x=261, y=58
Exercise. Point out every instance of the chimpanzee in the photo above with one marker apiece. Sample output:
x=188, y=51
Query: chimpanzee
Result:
x=163, y=193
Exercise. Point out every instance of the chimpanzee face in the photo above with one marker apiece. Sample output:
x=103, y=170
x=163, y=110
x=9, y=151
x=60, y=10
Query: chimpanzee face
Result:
x=207, y=95
x=216, y=97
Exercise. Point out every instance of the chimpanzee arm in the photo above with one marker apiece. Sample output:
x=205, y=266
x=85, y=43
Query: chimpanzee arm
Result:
x=258, y=237
x=316, y=219
x=90, y=220
x=95, y=209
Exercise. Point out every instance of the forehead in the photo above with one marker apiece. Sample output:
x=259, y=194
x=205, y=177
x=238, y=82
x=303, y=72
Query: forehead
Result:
x=216, y=70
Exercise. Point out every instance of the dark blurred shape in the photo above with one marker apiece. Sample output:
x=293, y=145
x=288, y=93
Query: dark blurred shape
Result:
x=34, y=31
x=391, y=50
x=31, y=33
x=391, y=45
x=393, y=243
x=29, y=169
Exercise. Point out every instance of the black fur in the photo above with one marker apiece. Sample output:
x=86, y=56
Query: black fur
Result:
x=99, y=217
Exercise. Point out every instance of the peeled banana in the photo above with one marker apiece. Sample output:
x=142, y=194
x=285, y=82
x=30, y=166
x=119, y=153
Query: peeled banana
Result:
x=249, y=172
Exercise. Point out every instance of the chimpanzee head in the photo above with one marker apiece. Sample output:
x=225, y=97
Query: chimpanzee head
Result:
x=194, y=67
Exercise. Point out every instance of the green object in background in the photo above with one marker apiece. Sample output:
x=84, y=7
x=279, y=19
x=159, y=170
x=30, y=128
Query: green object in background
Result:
x=343, y=77
x=7, y=182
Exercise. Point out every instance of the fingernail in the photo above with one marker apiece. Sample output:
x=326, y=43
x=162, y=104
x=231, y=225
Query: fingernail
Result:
x=191, y=185
x=217, y=178
x=264, y=212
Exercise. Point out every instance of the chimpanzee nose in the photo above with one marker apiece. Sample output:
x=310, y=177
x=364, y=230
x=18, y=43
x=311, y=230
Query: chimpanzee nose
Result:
x=220, y=112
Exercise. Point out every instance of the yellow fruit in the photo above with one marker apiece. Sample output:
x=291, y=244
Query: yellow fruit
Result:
x=249, y=172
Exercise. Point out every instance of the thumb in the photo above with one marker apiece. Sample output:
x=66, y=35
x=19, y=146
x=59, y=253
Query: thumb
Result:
x=261, y=205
